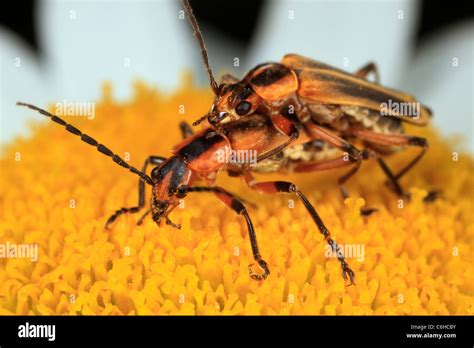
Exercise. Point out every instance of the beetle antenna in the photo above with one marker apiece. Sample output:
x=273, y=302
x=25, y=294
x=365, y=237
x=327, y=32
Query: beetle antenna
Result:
x=91, y=141
x=197, y=33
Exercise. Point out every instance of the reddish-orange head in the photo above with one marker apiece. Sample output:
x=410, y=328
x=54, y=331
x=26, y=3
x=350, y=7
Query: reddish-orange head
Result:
x=265, y=84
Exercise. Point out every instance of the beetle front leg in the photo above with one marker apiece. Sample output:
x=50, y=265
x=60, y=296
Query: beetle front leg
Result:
x=273, y=187
x=236, y=205
x=141, y=193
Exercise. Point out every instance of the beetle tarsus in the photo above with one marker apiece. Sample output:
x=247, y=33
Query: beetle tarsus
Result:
x=172, y=224
x=432, y=196
x=142, y=218
x=367, y=211
x=348, y=274
x=263, y=265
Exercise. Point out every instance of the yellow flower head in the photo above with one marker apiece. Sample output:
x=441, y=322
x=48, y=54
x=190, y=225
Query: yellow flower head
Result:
x=56, y=193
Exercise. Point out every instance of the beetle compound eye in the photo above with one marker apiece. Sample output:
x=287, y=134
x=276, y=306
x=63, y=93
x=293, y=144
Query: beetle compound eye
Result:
x=181, y=191
x=155, y=173
x=243, y=108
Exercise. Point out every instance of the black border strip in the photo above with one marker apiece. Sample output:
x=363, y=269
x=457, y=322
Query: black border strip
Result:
x=207, y=329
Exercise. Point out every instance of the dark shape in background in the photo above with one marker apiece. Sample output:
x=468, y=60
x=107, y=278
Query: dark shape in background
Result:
x=236, y=19
x=17, y=16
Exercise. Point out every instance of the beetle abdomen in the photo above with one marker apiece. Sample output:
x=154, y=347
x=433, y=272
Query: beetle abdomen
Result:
x=372, y=120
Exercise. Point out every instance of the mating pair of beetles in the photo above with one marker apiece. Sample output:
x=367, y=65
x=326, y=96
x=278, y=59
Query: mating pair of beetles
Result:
x=295, y=115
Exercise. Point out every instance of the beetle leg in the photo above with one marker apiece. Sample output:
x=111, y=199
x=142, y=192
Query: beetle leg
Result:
x=235, y=204
x=156, y=218
x=397, y=140
x=367, y=69
x=186, y=189
x=286, y=127
x=142, y=218
x=314, y=166
x=355, y=155
x=186, y=130
x=345, y=194
x=338, y=162
x=172, y=224
x=141, y=192
x=273, y=187
x=395, y=185
x=326, y=135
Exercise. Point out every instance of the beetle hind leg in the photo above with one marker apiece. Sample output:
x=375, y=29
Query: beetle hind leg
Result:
x=371, y=137
x=345, y=194
x=338, y=162
x=394, y=185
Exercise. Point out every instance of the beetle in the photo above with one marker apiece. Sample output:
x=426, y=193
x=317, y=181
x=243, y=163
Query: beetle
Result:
x=198, y=158
x=301, y=95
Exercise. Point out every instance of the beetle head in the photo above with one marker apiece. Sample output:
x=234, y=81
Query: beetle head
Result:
x=170, y=180
x=233, y=102
x=262, y=87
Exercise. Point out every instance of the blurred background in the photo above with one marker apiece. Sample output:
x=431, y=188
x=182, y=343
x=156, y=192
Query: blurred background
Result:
x=55, y=50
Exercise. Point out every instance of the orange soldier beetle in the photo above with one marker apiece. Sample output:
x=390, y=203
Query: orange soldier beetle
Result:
x=337, y=108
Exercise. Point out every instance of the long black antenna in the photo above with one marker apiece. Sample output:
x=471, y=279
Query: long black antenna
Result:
x=91, y=141
x=197, y=33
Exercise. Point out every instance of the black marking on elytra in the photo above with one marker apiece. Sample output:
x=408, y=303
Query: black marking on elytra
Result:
x=347, y=87
x=367, y=93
